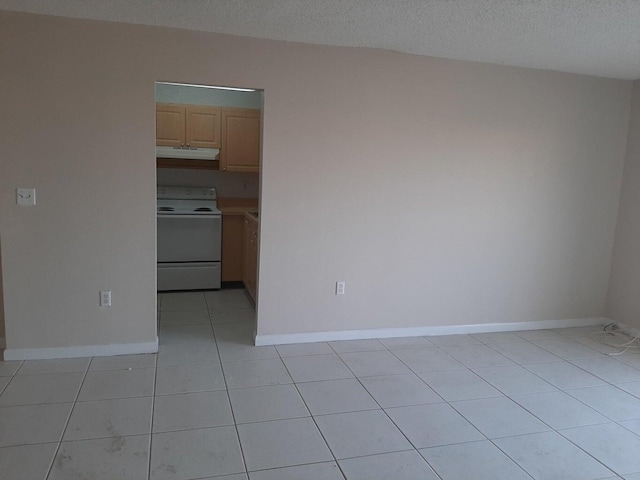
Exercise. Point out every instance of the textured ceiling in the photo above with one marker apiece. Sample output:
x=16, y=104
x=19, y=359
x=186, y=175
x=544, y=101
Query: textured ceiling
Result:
x=595, y=37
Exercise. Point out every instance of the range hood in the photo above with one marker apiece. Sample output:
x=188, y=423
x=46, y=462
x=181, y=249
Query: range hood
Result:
x=188, y=153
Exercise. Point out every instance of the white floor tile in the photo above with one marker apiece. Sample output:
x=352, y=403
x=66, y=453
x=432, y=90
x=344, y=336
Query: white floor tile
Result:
x=397, y=466
x=345, y=346
x=259, y=404
x=460, y=384
x=4, y=381
x=361, y=433
x=317, y=367
x=256, y=373
x=227, y=299
x=559, y=410
x=609, y=401
x=460, y=339
x=184, y=317
x=484, y=459
x=27, y=461
x=183, y=301
x=234, y=331
x=525, y=352
x=567, y=348
x=608, y=369
x=205, y=452
x=234, y=316
x=195, y=354
x=633, y=388
x=102, y=459
x=118, y=384
x=191, y=410
x=336, y=396
x=234, y=350
x=499, y=417
x=548, y=456
x=400, y=390
x=514, y=380
x=59, y=365
x=613, y=445
x=497, y=337
x=477, y=356
x=631, y=359
x=531, y=335
x=35, y=389
x=189, y=378
x=314, y=471
x=598, y=346
x=8, y=369
x=33, y=423
x=632, y=425
x=123, y=362
x=186, y=334
x=405, y=342
x=564, y=375
x=282, y=443
x=301, y=349
x=433, y=425
x=426, y=359
x=573, y=332
x=110, y=418
x=367, y=364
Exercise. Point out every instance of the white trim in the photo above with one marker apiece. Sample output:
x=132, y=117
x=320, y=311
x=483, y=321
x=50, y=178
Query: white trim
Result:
x=83, y=351
x=287, y=338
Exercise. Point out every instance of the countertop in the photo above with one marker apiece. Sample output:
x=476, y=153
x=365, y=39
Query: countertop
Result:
x=237, y=206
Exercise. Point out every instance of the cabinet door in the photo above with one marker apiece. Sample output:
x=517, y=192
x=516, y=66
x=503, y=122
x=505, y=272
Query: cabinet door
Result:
x=170, y=121
x=246, y=252
x=202, y=126
x=240, y=151
x=232, y=247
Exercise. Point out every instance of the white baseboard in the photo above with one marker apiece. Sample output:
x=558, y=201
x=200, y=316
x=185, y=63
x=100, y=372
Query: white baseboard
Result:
x=282, y=339
x=83, y=351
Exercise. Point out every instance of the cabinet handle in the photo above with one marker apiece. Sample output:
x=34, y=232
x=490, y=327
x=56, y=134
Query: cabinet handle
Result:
x=188, y=145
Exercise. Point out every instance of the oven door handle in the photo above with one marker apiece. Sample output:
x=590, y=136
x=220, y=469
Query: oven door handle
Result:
x=205, y=217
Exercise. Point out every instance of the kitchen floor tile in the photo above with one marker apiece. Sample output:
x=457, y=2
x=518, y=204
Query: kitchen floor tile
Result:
x=492, y=338
x=336, y=396
x=559, y=410
x=484, y=459
x=244, y=332
x=475, y=356
x=632, y=425
x=573, y=332
x=191, y=410
x=4, y=381
x=399, y=390
x=631, y=359
x=35, y=389
x=102, y=459
x=233, y=315
x=256, y=373
x=118, y=384
x=564, y=375
x=609, y=401
x=608, y=369
x=499, y=417
x=531, y=335
x=183, y=301
x=227, y=299
x=197, y=353
x=298, y=442
x=234, y=350
x=205, y=452
x=110, y=418
x=567, y=348
x=633, y=388
x=179, y=318
x=123, y=362
x=189, y=378
x=397, y=466
x=33, y=423
x=426, y=359
x=302, y=349
x=405, y=342
x=525, y=352
x=433, y=425
x=346, y=346
x=186, y=334
x=361, y=433
x=59, y=365
x=597, y=345
x=24, y=462
x=317, y=367
x=513, y=380
x=259, y=404
x=461, y=384
x=548, y=456
x=367, y=364
x=8, y=369
x=460, y=339
x=314, y=471
x=613, y=445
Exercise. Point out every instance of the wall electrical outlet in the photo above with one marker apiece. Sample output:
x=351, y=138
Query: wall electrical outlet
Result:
x=105, y=298
x=26, y=196
x=340, y=287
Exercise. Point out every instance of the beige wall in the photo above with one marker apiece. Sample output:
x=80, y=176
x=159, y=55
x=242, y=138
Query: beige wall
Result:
x=442, y=192
x=623, y=302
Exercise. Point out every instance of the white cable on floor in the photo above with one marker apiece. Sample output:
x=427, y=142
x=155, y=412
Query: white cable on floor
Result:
x=631, y=343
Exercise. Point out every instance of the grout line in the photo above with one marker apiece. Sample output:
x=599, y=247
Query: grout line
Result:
x=153, y=411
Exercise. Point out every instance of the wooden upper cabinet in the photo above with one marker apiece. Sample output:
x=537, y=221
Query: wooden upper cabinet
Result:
x=240, y=150
x=170, y=125
x=202, y=126
x=187, y=126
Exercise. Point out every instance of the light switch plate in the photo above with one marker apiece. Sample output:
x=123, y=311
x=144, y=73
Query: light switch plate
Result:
x=26, y=196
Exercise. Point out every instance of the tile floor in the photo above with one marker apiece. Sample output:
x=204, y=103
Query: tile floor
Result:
x=543, y=404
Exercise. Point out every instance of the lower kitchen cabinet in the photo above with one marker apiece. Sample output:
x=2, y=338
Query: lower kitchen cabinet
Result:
x=250, y=264
x=232, y=247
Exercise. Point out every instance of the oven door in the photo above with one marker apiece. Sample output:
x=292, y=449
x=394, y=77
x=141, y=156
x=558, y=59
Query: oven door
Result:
x=189, y=238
